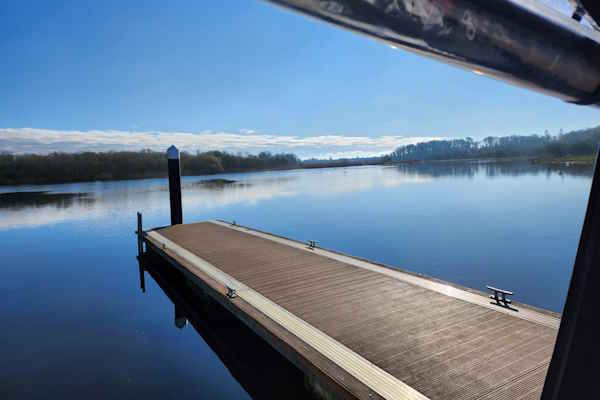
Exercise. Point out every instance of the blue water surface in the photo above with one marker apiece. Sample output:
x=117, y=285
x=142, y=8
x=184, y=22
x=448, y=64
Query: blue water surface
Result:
x=75, y=322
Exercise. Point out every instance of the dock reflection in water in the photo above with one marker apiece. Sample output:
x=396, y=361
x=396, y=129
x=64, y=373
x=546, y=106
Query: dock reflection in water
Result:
x=257, y=367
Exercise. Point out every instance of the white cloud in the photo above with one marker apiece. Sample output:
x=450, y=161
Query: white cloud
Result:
x=30, y=140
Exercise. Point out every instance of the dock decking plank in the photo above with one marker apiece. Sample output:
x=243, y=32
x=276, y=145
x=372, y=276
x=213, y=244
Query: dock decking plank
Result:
x=442, y=341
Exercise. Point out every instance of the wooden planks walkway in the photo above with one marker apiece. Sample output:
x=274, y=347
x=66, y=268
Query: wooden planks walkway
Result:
x=372, y=330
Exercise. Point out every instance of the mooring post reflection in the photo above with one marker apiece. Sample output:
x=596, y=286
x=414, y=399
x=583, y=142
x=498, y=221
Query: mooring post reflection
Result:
x=258, y=368
x=180, y=319
x=142, y=276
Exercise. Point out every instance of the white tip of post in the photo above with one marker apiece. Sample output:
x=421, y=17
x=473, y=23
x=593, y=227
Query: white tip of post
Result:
x=173, y=153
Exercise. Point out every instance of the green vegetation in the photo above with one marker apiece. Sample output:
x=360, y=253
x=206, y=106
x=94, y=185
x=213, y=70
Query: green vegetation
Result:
x=78, y=167
x=576, y=145
x=216, y=181
x=341, y=162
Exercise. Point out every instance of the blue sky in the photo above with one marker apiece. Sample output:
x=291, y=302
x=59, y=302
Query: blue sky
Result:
x=138, y=71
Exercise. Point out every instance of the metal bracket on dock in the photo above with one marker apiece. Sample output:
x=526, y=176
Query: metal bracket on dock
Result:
x=312, y=244
x=231, y=292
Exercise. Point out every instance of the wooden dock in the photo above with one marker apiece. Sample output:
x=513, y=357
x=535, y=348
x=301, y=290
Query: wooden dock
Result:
x=362, y=330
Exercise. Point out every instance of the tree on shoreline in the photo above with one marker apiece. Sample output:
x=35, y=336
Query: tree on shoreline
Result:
x=90, y=166
x=576, y=143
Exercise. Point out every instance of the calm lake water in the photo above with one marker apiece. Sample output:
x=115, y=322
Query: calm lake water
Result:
x=75, y=322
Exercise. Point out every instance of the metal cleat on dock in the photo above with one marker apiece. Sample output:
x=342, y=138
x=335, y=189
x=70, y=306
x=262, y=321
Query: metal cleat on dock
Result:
x=231, y=292
x=499, y=296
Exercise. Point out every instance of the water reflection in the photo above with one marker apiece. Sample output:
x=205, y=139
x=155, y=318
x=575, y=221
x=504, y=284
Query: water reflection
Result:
x=70, y=257
x=39, y=208
x=36, y=199
x=493, y=169
x=52, y=204
x=258, y=368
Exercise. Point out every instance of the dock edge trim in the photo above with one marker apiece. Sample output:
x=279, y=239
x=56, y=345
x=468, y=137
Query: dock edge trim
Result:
x=363, y=370
x=445, y=289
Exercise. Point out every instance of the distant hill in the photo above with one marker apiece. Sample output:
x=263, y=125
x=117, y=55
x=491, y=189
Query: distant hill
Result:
x=577, y=143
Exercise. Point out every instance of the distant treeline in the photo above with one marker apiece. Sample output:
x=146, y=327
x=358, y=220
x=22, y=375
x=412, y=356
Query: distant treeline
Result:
x=78, y=167
x=89, y=166
x=576, y=143
x=341, y=162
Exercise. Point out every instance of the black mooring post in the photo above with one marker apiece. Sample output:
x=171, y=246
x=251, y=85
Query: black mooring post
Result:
x=575, y=366
x=175, y=185
x=140, y=243
x=140, y=235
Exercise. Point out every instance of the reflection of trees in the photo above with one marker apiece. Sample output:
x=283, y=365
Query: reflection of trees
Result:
x=491, y=169
x=21, y=200
x=439, y=169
